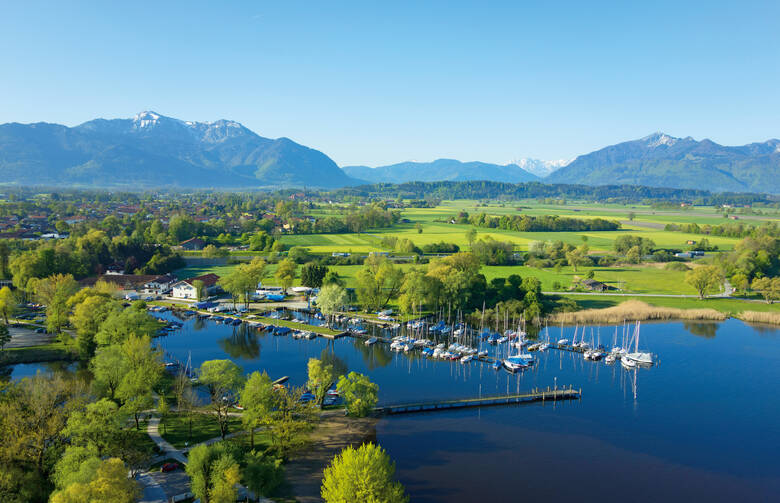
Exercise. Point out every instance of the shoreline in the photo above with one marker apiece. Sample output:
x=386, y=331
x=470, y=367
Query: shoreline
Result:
x=334, y=432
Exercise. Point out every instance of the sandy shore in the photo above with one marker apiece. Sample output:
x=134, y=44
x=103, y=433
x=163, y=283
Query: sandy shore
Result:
x=335, y=431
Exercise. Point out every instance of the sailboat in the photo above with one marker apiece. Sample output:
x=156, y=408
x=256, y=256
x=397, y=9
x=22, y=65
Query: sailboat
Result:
x=636, y=356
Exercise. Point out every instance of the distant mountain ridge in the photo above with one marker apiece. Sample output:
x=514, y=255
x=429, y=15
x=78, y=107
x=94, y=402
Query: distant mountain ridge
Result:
x=153, y=150
x=660, y=160
x=441, y=170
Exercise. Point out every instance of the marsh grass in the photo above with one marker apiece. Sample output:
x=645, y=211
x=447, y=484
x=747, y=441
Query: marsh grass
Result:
x=637, y=310
x=760, y=317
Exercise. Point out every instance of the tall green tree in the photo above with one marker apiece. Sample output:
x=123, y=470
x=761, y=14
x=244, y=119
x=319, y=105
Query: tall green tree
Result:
x=110, y=484
x=290, y=421
x=331, y=299
x=121, y=324
x=263, y=473
x=704, y=279
x=378, y=282
x=213, y=472
x=144, y=370
x=98, y=427
x=5, y=336
x=87, y=317
x=257, y=399
x=359, y=393
x=108, y=367
x=312, y=274
x=223, y=379
x=8, y=303
x=362, y=474
x=285, y=273
x=5, y=253
x=54, y=291
x=321, y=376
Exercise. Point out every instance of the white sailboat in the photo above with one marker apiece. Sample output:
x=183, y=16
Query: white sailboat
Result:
x=637, y=356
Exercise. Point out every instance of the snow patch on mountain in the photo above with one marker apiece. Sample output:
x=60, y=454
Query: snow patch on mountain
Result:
x=539, y=167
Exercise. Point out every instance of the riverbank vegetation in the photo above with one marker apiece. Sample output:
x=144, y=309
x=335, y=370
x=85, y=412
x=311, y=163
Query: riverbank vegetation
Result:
x=635, y=310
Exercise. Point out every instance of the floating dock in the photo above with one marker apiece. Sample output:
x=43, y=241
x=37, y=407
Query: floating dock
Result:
x=536, y=395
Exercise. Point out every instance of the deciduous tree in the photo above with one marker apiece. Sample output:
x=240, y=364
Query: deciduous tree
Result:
x=54, y=292
x=359, y=393
x=257, y=399
x=331, y=299
x=223, y=379
x=321, y=376
x=704, y=279
x=362, y=474
x=285, y=273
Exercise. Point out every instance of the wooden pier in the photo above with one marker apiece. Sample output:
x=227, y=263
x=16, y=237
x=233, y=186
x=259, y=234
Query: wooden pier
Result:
x=536, y=395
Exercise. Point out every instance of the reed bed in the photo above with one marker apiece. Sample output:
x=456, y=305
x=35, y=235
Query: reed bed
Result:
x=632, y=310
x=760, y=317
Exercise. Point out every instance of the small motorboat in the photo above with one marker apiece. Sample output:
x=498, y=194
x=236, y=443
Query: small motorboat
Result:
x=370, y=341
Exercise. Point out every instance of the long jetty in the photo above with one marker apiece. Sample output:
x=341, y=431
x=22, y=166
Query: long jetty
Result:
x=535, y=395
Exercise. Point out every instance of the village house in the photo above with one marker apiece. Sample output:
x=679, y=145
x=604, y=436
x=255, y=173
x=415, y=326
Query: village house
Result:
x=160, y=285
x=593, y=285
x=193, y=244
x=185, y=289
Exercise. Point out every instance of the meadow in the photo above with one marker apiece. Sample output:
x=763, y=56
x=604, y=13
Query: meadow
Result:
x=642, y=279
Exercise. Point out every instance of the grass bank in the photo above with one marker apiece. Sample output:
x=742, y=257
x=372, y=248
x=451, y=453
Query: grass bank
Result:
x=297, y=326
x=175, y=428
x=636, y=310
x=56, y=351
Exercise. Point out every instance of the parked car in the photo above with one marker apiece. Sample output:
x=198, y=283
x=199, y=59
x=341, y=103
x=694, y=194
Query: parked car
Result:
x=169, y=467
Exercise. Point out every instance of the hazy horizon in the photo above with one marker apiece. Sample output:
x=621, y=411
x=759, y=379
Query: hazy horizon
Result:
x=377, y=85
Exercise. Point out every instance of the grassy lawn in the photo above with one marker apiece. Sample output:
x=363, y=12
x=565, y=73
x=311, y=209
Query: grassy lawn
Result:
x=632, y=279
x=54, y=351
x=175, y=428
x=297, y=326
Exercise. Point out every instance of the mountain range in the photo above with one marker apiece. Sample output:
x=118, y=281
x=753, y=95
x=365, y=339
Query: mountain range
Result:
x=660, y=160
x=441, y=170
x=151, y=150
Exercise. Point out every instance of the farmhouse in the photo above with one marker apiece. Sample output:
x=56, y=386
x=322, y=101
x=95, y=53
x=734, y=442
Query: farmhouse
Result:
x=193, y=244
x=593, y=285
x=186, y=290
x=160, y=285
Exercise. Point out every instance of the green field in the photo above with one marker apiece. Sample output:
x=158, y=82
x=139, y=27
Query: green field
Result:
x=647, y=222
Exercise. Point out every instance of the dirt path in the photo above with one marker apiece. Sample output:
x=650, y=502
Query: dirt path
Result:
x=335, y=431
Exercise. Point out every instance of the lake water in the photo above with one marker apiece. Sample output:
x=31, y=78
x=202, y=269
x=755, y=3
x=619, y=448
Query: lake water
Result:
x=701, y=425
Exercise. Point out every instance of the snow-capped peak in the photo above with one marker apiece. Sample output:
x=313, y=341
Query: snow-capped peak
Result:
x=541, y=168
x=658, y=139
x=146, y=119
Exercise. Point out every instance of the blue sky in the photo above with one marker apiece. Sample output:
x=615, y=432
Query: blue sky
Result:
x=381, y=82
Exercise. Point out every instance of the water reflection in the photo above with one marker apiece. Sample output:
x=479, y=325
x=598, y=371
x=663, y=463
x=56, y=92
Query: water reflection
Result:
x=328, y=357
x=242, y=343
x=374, y=356
x=702, y=329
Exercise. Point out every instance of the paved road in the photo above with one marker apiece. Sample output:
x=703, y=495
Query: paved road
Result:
x=26, y=337
x=174, y=484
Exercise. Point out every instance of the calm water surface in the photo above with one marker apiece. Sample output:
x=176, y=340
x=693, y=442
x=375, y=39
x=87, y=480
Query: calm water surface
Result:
x=702, y=425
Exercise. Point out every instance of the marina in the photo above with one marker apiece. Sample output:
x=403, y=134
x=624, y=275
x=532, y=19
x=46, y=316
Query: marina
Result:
x=625, y=421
